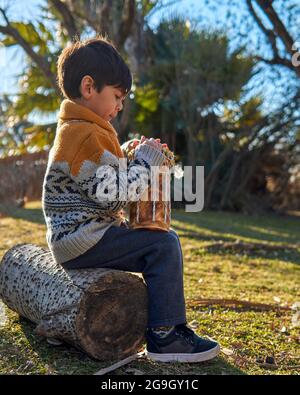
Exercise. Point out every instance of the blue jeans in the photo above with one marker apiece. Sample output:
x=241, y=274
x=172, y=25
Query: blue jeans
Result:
x=155, y=254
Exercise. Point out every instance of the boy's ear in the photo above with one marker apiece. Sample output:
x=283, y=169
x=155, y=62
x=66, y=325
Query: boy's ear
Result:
x=86, y=86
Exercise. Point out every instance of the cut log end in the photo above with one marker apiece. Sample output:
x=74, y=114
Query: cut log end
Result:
x=112, y=316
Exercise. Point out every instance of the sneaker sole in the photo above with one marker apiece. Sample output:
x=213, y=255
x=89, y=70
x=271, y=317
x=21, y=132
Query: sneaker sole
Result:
x=197, y=357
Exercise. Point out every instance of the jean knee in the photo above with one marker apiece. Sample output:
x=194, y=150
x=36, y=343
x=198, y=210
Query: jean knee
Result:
x=171, y=237
x=174, y=234
x=172, y=247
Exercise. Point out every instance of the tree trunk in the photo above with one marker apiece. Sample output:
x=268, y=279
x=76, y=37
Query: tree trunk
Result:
x=100, y=311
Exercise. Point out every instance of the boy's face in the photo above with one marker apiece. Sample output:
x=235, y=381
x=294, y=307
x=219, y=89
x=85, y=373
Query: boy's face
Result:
x=106, y=104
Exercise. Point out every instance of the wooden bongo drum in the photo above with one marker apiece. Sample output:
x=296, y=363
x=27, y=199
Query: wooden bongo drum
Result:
x=153, y=209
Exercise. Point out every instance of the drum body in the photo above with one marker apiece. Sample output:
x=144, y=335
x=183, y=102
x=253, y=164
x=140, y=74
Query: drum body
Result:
x=153, y=210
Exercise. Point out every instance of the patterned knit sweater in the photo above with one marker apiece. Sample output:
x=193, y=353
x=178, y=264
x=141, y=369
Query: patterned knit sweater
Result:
x=84, y=149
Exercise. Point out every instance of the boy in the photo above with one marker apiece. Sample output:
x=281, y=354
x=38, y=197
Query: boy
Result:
x=87, y=230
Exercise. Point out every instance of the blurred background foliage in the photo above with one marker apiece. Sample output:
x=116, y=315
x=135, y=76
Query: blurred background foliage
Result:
x=193, y=88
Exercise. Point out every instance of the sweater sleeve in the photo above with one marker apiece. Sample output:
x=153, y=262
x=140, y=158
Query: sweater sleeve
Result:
x=106, y=180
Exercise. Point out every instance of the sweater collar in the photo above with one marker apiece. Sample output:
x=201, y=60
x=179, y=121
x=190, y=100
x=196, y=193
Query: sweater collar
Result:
x=69, y=110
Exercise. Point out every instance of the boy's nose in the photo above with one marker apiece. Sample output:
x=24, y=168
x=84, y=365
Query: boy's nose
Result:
x=120, y=107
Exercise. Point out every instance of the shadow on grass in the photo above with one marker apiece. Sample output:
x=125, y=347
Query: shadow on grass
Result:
x=63, y=359
x=286, y=255
x=67, y=360
x=197, y=235
x=34, y=215
x=232, y=226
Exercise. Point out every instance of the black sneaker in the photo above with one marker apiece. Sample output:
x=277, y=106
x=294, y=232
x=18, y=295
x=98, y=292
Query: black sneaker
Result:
x=181, y=345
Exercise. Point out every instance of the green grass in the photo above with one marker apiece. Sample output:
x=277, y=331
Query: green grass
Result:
x=248, y=337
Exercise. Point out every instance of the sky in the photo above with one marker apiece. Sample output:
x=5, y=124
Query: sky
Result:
x=24, y=10
x=12, y=59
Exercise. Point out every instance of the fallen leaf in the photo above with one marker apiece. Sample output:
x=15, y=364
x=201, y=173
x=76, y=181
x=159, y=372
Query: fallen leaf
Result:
x=3, y=316
x=194, y=324
x=227, y=351
x=296, y=320
x=296, y=306
x=276, y=299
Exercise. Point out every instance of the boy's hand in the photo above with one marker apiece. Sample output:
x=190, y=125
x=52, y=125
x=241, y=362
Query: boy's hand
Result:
x=133, y=144
x=155, y=143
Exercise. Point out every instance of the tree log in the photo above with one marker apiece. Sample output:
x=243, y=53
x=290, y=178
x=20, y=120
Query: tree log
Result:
x=103, y=312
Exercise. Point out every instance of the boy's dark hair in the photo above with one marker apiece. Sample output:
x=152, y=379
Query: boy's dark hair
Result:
x=96, y=57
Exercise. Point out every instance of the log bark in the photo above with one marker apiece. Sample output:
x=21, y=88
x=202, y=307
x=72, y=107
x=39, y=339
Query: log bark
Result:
x=103, y=312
